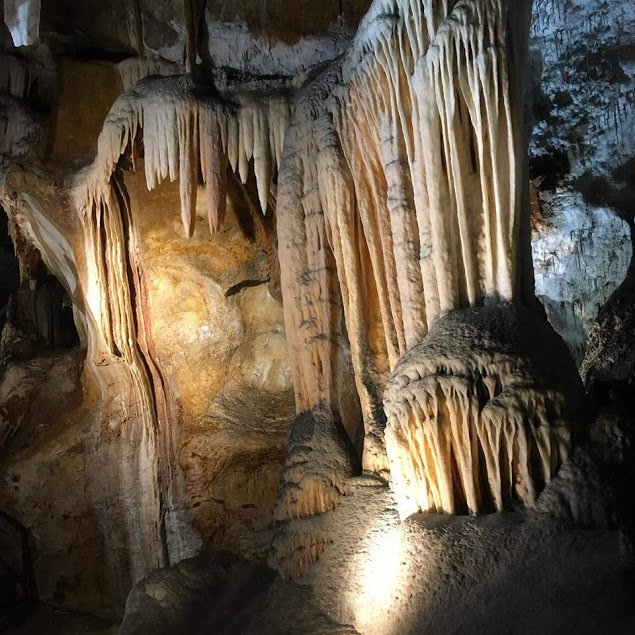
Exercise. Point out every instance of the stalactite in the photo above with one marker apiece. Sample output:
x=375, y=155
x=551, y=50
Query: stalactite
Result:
x=479, y=415
x=185, y=133
x=16, y=76
x=312, y=302
x=258, y=135
x=418, y=146
x=23, y=19
x=20, y=128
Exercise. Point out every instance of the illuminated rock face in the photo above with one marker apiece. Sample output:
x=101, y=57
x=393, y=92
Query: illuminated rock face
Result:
x=23, y=19
x=401, y=192
x=187, y=386
x=480, y=413
x=396, y=178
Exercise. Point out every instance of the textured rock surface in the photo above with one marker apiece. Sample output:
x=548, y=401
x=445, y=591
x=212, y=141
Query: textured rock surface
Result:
x=581, y=157
x=48, y=468
x=482, y=413
x=580, y=252
x=610, y=353
x=482, y=574
x=221, y=594
x=433, y=573
x=219, y=340
x=214, y=326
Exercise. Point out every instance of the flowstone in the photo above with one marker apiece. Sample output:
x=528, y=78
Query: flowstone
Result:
x=481, y=414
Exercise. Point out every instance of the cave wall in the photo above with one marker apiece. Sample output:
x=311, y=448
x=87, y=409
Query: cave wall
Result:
x=216, y=331
x=207, y=328
x=582, y=146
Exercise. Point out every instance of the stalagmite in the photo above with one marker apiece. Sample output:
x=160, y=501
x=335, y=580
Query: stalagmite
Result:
x=23, y=19
x=409, y=158
x=320, y=460
x=480, y=413
x=318, y=468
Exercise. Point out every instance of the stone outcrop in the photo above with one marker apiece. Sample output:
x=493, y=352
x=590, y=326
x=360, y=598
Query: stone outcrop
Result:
x=581, y=100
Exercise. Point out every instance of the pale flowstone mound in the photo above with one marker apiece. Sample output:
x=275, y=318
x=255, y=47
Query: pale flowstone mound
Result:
x=318, y=468
x=481, y=413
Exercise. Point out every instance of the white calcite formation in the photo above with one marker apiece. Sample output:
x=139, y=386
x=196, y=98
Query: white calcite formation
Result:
x=185, y=133
x=586, y=113
x=480, y=413
x=23, y=19
x=402, y=190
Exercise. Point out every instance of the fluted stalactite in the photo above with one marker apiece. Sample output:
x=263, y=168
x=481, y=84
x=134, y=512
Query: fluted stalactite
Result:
x=185, y=133
x=481, y=413
x=415, y=163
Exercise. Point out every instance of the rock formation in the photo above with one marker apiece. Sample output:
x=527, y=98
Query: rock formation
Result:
x=274, y=294
x=403, y=174
x=582, y=139
x=477, y=416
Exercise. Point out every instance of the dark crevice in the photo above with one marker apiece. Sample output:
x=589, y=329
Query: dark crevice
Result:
x=244, y=284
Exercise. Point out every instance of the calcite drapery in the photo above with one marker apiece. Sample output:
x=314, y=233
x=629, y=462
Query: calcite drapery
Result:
x=186, y=132
x=402, y=189
x=480, y=413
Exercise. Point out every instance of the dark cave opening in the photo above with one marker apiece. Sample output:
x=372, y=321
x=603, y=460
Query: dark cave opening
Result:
x=9, y=269
x=35, y=304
